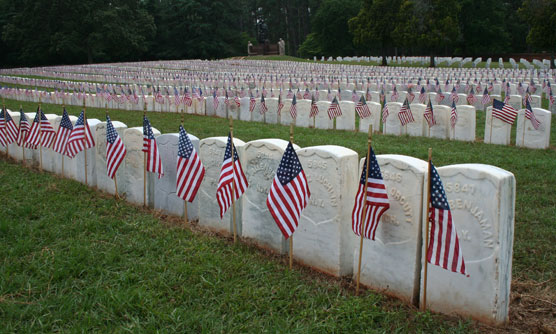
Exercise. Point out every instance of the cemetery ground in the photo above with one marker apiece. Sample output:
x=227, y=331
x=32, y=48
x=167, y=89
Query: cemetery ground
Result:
x=75, y=259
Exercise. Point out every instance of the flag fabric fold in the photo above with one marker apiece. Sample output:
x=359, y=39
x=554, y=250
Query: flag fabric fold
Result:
x=154, y=163
x=232, y=179
x=190, y=169
x=115, y=149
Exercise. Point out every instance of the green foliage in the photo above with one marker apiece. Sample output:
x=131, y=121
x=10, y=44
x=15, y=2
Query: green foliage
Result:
x=310, y=47
x=483, y=27
x=541, y=16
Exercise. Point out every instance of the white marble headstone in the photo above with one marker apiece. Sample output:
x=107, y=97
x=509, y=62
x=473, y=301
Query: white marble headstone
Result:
x=465, y=125
x=347, y=120
x=393, y=125
x=529, y=137
x=501, y=131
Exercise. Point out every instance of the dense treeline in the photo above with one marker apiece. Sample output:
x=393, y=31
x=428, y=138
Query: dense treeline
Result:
x=41, y=32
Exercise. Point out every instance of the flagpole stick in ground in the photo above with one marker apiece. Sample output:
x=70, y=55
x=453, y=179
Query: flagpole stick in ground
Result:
x=22, y=141
x=63, y=107
x=291, y=236
x=233, y=179
x=5, y=125
x=523, y=134
x=85, y=148
x=115, y=179
x=40, y=136
x=185, y=217
x=145, y=167
x=491, y=120
x=364, y=210
x=424, y=306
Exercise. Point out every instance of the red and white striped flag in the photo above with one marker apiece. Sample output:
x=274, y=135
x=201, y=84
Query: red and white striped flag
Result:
x=454, y=95
x=376, y=198
x=453, y=115
x=289, y=193
x=280, y=103
x=503, y=111
x=394, y=97
x=429, y=115
x=190, y=169
x=444, y=249
x=530, y=115
x=115, y=149
x=293, y=108
x=486, y=97
x=405, y=115
x=24, y=128
x=80, y=138
x=230, y=177
x=8, y=129
x=439, y=96
x=314, y=108
x=154, y=163
x=215, y=101
x=62, y=136
x=385, y=113
x=471, y=99
x=334, y=109
x=263, y=107
x=252, y=103
x=362, y=108
x=422, y=95
x=41, y=132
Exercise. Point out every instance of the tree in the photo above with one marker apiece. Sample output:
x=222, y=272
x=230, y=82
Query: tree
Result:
x=541, y=17
x=373, y=25
x=330, y=28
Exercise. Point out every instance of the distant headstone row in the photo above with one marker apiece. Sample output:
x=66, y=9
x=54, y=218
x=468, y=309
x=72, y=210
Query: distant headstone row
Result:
x=482, y=199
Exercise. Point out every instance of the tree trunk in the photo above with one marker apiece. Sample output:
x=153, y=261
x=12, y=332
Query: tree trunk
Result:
x=89, y=54
x=432, y=64
x=384, y=63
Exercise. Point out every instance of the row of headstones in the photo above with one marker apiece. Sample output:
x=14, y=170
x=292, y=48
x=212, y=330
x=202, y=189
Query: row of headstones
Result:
x=464, y=130
x=481, y=197
x=496, y=131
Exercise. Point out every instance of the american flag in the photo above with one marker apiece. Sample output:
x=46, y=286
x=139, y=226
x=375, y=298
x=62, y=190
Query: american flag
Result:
x=154, y=163
x=24, y=128
x=115, y=149
x=354, y=98
x=486, y=97
x=405, y=115
x=263, y=107
x=8, y=129
x=252, y=103
x=280, y=104
x=471, y=97
x=237, y=101
x=289, y=193
x=334, y=109
x=429, y=115
x=293, y=108
x=530, y=115
x=314, y=108
x=368, y=95
x=80, y=138
x=507, y=99
x=385, y=113
x=453, y=115
x=439, y=96
x=520, y=89
x=551, y=97
x=64, y=131
x=376, y=199
x=290, y=94
x=362, y=108
x=532, y=87
x=410, y=95
x=527, y=97
x=41, y=132
x=507, y=90
x=395, y=95
x=230, y=177
x=226, y=99
x=444, y=248
x=422, y=96
x=190, y=170
x=503, y=111
x=298, y=95
x=454, y=96
x=306, y=95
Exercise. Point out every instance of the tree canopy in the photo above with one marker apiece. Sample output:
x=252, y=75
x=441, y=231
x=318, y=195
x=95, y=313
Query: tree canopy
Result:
x=44, y=32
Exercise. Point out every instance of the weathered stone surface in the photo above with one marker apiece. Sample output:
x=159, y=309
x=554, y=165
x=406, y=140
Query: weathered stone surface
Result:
x=501, y=131
x=398, y=236
x=165, y=198
x=322, y=239
x=374, y=107
x=91, y=158
x=482, y=202
x=322, y=121
x=303, y=111
x=441, y=128
x=419, y=127
x=103, y=182
x=465, y=125
x=528, y=136
x=211, y=152
x=347, y=120
x=393, y=125
x=262, y=158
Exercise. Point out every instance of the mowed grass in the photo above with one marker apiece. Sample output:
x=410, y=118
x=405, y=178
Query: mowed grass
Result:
x=77, y=261
x=534, y=170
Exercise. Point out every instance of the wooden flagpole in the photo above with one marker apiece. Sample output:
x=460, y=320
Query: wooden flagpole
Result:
x=115, y=179
x=291, y=236
x=233, y=179
x=22, y=140
x=364, y=209
x=427, y=226
x=63, y=107
x=40, y=139
x=523, y=134
x=5, y=126
x=144, y=166
x=85, y=148
x=185, y=217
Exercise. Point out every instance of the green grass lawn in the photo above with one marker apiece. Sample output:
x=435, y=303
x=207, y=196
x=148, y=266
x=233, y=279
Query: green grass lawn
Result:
x=76, y=261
